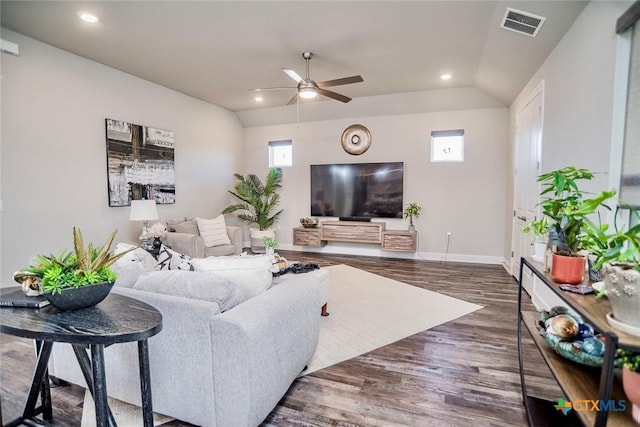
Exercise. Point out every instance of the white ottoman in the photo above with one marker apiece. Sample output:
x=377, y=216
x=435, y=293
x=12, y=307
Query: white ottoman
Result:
x=322, y=275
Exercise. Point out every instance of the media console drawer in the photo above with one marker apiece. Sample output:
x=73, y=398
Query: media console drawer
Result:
x=348, y=231
x=307, y=237
x=397, y=240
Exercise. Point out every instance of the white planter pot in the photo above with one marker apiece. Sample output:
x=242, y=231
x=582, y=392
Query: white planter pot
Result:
x=622, y=283
x=256, y=239
x=539, y=249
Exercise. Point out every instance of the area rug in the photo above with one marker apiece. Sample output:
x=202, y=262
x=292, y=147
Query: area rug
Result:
x=124, y=413
x=368, y=311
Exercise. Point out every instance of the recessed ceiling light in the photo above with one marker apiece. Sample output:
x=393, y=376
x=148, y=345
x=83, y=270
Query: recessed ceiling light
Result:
x=446, y=76
x=259, y=98
x=88, y=17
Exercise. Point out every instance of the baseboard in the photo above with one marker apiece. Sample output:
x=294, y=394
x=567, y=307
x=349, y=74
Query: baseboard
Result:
x=377, y=252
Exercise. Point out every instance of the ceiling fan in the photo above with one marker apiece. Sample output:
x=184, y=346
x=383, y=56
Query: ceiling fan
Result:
x=308, y=88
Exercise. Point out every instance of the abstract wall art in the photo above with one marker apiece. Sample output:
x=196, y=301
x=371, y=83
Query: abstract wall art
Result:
x=140, y=163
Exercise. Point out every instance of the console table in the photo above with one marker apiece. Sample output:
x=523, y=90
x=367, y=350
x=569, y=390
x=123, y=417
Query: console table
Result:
x=356, y=232
x=576, y=381
x=117, y=319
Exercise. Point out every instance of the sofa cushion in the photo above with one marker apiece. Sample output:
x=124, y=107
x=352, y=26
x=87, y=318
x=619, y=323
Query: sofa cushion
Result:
x=133, y=264
x=206, y=286
x=251, y=273
x=187, y=227
x=213, y=231
x=168, y=259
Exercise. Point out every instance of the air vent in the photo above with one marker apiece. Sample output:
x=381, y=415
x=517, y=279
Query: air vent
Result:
x=522, y=22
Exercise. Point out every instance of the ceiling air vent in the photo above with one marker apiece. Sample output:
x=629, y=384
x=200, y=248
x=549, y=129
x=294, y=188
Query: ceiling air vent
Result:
x=522, y=22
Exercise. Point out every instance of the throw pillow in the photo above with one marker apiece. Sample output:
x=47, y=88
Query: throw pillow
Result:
x=168, y=259
x=204, y=286
x=213, y=231
x=132, y=265
x=252, y=274
x=138, y=255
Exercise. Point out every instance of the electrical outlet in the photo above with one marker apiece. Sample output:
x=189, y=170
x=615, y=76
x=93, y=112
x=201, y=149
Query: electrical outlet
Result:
x=449, y=234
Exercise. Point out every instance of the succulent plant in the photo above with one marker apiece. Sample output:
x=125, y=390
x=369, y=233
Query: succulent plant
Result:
x=87, y=265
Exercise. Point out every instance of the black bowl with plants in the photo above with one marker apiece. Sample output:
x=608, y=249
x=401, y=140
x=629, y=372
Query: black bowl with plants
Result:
x=79, y=279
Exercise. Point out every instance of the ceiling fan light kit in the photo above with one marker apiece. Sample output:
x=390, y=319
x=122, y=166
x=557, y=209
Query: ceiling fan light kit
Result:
x=307, y=93
x=309, y=89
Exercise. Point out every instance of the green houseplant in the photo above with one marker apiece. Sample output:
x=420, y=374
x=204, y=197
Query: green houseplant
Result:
x=412, y=211
x=618, y=253
x=540, y=230
x=568, y=212
x=629, y=361
x=270, y=244
x=62, y=278
x=257, y=203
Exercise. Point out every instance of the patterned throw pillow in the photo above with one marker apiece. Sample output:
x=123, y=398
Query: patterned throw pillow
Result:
x=213, y=231
x=168, y=259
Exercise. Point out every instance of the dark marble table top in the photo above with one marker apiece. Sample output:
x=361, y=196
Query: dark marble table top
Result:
x=116, y=319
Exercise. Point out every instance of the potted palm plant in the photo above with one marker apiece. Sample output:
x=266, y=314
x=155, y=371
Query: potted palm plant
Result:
x=412, y=211
x=257, y=203
x=77, y=279
x=568, y=212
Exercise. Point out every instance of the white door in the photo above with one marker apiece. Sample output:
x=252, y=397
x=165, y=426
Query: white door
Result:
x=527, y=169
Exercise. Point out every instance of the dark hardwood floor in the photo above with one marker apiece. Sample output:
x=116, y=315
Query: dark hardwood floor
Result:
x=462, y=373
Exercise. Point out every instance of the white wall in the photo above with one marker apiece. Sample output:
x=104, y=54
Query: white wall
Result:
x=466, y=198
x=53, y=169
x=578, y=101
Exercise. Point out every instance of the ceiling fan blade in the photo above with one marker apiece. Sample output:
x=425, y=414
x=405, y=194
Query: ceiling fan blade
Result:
x=334, y=95
x=260, y=89
x=342, y=81
x=292, y=74
x=293, y=100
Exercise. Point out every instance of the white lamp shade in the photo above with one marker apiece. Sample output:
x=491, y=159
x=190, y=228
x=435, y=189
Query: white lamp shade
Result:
x=143, y=210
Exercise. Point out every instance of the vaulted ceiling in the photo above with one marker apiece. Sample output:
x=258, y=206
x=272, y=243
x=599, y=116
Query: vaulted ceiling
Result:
x=217, y=50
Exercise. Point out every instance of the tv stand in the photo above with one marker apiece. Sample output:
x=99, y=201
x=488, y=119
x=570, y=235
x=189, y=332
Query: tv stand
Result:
x=356, y=232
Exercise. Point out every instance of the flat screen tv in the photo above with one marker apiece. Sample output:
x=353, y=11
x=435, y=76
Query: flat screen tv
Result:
x=357, y=190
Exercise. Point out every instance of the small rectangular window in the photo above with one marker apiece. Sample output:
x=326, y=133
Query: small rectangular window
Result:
x=280, y=153
x=447, y=145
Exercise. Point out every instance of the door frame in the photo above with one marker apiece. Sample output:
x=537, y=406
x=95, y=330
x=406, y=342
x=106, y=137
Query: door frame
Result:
x=538, y=89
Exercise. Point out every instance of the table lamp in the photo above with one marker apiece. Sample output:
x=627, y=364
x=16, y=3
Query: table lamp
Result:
x=144, y=210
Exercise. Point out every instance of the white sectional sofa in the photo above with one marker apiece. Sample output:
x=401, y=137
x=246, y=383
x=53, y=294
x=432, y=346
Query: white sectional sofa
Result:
x=214, y=368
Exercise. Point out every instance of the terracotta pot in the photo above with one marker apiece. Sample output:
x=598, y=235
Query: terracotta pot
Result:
x=622, y=283
x=568, y=269
x=631, y=385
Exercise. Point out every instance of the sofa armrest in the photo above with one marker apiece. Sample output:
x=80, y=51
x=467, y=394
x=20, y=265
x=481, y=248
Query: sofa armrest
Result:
x=235, y=235
x=184, y=243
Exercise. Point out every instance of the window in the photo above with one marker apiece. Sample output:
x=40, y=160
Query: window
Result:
x=628, y=26
x=447, y=145
x=280, y=153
